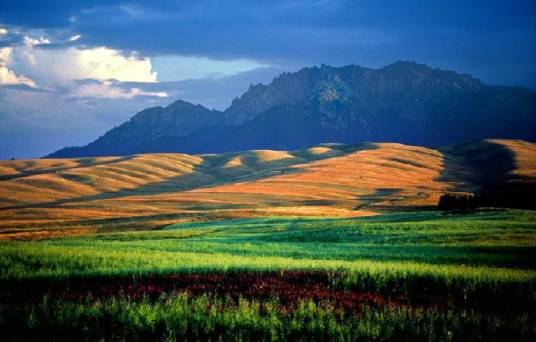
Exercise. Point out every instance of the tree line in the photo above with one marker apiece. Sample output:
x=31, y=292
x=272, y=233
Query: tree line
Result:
x=497, y=199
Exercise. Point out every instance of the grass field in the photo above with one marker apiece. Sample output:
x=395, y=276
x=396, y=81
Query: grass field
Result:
x=333, y=242
x=426, y=275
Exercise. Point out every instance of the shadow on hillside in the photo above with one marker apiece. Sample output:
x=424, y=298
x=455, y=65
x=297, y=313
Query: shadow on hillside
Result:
x=204, y=175
x=485, y=169
x=485, y=165
x=83, y=162
x=180, y=183
x=380, y=194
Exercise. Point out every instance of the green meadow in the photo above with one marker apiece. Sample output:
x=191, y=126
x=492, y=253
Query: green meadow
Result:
x=472, y=259
x=489, y=245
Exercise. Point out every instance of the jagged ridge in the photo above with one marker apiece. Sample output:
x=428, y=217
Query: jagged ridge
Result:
x=403, y=102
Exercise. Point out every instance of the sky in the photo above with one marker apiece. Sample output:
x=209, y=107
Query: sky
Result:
x=70, y=70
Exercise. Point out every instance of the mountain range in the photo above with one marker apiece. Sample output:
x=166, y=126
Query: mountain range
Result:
x=403, y=102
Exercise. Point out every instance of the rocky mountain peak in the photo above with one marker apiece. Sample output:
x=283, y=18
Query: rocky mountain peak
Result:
x=403, y=102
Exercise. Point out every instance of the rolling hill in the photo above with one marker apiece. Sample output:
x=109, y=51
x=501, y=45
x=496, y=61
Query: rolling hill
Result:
x=404, y=102
x=44, y=197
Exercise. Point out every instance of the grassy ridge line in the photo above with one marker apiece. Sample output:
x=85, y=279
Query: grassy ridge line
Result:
x=155, y=177
x=150, y=191
x=45, y=180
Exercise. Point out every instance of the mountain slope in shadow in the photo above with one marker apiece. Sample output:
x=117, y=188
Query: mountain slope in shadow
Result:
x=404, y=102
x=501, y=172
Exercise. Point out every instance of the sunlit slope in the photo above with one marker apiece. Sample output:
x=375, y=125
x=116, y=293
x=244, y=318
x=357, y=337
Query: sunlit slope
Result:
x=46, y=196
x=365, y=177
x=45, y=181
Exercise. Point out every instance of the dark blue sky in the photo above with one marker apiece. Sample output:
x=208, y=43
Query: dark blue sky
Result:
x=69, y=70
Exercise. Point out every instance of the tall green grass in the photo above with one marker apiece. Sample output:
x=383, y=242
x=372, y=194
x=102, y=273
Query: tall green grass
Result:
x=180, y=317
x=489, y=252
x=475, y=259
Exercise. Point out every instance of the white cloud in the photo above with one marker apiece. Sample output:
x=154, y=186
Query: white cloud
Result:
x=75, y=37
x=107, y=89
x=57, y=66
x=104, y=63
x=7, y=76
x=60, y=68
x=3, y=31
x=35, y=41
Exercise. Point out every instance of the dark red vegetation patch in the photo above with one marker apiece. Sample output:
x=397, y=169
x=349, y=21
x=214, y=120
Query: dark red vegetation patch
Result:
x=288, y=287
